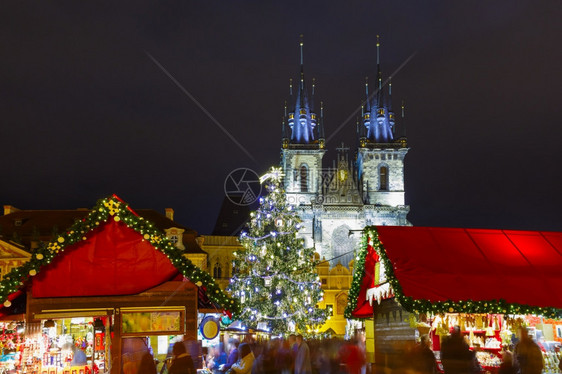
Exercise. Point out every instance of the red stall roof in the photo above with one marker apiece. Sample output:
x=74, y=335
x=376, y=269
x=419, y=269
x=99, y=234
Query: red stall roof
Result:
x=111, y=251
x=444, y=265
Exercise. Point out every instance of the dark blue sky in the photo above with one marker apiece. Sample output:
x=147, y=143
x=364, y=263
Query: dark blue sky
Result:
x=86, y=113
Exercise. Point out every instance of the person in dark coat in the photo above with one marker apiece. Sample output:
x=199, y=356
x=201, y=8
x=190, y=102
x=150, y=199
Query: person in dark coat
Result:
x=232, y=354
x=507, y=366
x=456, y=355
x=284, y=357
x=302, y=360
x=182, y=362
x=527, y=354
x=147, y=365
x=423, y=359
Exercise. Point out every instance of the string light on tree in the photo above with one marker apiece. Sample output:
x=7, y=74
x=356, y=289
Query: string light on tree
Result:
x=279, y=283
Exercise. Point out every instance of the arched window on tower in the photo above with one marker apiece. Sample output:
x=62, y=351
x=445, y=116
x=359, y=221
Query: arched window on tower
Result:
x=383, y=178
x=217, y=271
x=304, y=178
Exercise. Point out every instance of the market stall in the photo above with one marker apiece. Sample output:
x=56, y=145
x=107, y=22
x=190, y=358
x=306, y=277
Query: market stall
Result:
x=108, y=291
x=489, y=282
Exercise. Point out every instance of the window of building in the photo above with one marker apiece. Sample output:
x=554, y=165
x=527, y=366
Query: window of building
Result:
x=173, y=238
x=217, y=271
x=342, y=303
x=324, y=281
x=383, y=178
x=304, y=178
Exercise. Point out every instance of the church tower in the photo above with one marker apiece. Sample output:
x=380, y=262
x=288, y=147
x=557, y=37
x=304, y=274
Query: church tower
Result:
x=380, y=156
x=303, y=144
x=337, y=200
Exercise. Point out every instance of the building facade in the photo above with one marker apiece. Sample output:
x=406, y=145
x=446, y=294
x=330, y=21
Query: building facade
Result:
x=360, y=188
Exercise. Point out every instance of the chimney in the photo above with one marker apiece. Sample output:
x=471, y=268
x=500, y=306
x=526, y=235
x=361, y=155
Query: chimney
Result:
x=8, y=209
x=170, y=214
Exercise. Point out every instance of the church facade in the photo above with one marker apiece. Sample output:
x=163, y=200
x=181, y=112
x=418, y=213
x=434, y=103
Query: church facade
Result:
x=336, y=199
x=360, y=188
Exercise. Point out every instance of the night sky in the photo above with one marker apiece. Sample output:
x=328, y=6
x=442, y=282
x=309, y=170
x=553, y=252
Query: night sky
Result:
x=86, y=112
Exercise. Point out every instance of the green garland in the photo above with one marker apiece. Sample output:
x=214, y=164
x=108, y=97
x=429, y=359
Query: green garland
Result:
x=425, y=306
x=104, y=210
x=358, y=274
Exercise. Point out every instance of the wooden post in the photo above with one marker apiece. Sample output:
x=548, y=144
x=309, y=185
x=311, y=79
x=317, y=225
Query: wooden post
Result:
x=116, y=344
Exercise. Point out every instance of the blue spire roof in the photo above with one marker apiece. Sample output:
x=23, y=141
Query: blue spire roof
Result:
x=378, y=117
x=302, y=119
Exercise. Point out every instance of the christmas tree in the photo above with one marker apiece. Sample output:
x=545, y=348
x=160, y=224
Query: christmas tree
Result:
x=274, y=275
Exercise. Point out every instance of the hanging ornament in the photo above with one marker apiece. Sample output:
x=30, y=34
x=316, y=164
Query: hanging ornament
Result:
x=279, y=222
x=268, y=281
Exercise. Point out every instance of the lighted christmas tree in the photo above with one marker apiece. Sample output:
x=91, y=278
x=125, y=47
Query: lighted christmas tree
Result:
x=274, y=275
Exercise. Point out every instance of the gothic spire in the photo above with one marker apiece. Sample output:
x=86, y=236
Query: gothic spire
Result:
x=378, y=117
x=283, y=123
x=321, y=124
x=391, y=116
x=302, y=120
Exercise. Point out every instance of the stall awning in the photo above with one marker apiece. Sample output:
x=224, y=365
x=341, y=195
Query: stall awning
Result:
x=445, y=269
x=114, y=260
x=110, y=252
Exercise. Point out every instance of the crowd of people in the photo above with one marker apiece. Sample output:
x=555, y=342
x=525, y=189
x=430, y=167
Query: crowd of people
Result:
x=293, y=355
x=525, y=357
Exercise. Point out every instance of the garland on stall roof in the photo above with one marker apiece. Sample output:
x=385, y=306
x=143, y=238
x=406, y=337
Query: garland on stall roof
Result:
x=425, y=306
x=116, y=209
x=358, y=274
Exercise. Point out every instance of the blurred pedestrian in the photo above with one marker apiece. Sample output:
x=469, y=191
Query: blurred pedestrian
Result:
x=302, y=360
x=147, y=365
x=352, y=357
x=265, y=358
x=245, y=360
x=217, y=357
x=527, y=354
x=232, y=347
x=423, y=359
x=182, y=362
x=507, y=366
x=284, y=358
x=455, y=354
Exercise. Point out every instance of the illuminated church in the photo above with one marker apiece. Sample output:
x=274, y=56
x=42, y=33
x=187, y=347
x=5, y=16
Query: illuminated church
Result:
x=358, y=190
x=335, y=202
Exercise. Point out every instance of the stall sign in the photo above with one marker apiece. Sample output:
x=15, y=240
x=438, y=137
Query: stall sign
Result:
x=151, y=322
x=209, y=327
